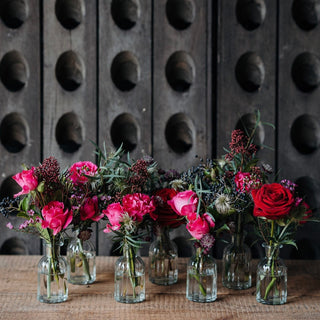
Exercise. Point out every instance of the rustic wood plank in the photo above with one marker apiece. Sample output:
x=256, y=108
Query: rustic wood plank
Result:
x=114, y=101
x=80, y=101
x=191, y=135
x=233, y=101
x=24, y=101
x=18, y=284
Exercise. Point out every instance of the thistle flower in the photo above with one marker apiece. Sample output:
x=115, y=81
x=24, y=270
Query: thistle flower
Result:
x=223, y=204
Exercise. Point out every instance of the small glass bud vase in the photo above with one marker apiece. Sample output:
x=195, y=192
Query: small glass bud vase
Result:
x=201, y=278
x=271, y=277
x=236, y=264
x=52, y=268
x=81, y=257
x=163, y=259
x=129, y=277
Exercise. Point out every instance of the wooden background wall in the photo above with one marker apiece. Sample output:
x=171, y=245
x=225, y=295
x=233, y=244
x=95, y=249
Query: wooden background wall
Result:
x=169, y=78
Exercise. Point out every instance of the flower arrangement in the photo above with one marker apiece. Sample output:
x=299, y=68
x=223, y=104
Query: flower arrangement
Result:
x=279, y=211
x=200, y=225
x=44, y=204
x=128, y=213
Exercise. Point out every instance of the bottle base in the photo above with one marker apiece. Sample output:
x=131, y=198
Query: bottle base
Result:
x=52, y=299
x=130, y=299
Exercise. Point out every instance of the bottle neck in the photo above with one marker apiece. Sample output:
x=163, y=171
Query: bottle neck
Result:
x=272, y=251
x=51, y=249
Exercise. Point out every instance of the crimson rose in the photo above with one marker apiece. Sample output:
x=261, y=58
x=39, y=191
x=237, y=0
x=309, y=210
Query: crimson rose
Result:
x=272, y=201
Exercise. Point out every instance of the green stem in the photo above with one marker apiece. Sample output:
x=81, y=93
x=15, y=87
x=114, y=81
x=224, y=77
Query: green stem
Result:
x=130, y=256
x=198, y=268
x=84, y=259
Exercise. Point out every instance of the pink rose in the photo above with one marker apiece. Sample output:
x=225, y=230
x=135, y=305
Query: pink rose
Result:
x=26, y=180
x=79, y=171
x=137, y=205
x=185, y=204
x=114, y=212
x=55, y=217
x=90, y=210
x=200, y=226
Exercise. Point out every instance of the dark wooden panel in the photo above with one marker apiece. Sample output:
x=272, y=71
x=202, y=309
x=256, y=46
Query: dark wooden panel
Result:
x=69, y=98
x=124, y=79
x=299, y=113
x=298, y=55
x=249, y=50
x=19, y=100
x=181, y=83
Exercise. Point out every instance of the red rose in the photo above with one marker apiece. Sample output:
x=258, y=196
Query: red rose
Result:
x=166, y=215
x=272, y=201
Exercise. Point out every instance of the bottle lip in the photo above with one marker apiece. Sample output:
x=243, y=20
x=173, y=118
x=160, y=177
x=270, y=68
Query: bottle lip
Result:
x=267, y=245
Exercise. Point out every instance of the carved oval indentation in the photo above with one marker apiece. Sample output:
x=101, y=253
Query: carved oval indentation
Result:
x=180, y=133
x=309, y=189
x=14, y=132
x=305, y=134
x=125, y=131
x=250, y=72
x=306, y=13
x=180, y=71
x=247, y=124
x=180, y=13
x=69, y=132
x=125, y=71
x=125, y=13
x=70, y=71
x=9, y=188
x=305, y=71
x=251, y=13
x=70, y=13
x=14, y=12
x=14, y=71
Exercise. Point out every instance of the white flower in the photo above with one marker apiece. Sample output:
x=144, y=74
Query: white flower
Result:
x=128, y=223
x=223, y=204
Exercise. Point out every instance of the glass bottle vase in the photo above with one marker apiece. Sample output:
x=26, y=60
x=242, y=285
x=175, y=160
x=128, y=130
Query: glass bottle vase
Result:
x=52, y=268
x=163, y=259
x=129, y=277
x=271, y=277
x=81, y=257
x=201, y=278
x=236, y=264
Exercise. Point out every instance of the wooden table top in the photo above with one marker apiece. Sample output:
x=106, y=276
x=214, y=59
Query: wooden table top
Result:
x=18, y=287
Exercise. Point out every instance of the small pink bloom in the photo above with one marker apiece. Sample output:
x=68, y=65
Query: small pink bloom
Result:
x=55, y=217
x=114, y=212
x=79, y=171
x=245, y=181
x=90, y=210
x=26, y=180
x=9, y=225
x=185, y=204
x=200, y=226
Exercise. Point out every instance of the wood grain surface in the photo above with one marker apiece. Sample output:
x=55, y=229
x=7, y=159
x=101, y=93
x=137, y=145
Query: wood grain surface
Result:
x=18, y=286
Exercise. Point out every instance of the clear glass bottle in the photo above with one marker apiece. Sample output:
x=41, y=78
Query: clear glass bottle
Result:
x=236, y=264
x=201, y=278
x=81, y=257
x=163, y=259
x=129, y=277
x=271, y=277
x=52, y=268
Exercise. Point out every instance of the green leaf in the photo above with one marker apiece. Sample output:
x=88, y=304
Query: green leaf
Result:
x=24, y=204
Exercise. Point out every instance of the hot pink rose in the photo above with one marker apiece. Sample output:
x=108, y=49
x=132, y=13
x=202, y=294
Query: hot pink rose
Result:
x=90, y=210
x=55, y=217
x=26, y=180
x=114, y=212
x=200, y=226
x=185, y=204
x=137, y=205
x=79, y=171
